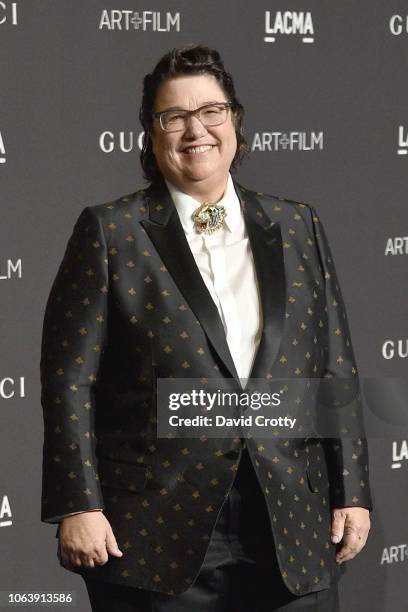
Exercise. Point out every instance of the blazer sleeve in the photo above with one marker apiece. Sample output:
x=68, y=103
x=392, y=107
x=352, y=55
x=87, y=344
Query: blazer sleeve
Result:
x=74, y=333
x=346, y=457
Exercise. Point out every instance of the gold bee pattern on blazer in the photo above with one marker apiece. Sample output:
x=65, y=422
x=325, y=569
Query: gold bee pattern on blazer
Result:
x=128, y=305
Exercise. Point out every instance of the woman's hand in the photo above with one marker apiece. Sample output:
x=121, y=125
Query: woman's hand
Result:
x=85, y=540
x=351, y=525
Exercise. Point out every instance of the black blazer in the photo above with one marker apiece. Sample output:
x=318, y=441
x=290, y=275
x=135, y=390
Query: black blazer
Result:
x=129, y=305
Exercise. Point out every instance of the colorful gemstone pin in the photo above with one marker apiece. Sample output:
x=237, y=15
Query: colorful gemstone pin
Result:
x=208, y=217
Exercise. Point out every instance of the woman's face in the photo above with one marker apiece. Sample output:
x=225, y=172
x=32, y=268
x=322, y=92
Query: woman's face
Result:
x=176, y=164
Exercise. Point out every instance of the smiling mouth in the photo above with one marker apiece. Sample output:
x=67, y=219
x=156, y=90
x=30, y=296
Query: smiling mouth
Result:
x=198, y=150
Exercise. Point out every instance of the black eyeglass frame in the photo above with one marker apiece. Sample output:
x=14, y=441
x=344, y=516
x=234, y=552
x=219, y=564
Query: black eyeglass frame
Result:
x=187, y=113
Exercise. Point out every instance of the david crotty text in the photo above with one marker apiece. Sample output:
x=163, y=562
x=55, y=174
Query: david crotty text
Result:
x=221, y=421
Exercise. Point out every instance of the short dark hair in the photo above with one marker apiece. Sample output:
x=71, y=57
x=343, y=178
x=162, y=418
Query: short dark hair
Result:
x=191, y=59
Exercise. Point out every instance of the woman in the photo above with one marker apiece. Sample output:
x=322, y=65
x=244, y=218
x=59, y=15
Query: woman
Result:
x=188, y=279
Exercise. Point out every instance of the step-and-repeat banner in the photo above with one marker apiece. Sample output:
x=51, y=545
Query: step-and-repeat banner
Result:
x=325, y=94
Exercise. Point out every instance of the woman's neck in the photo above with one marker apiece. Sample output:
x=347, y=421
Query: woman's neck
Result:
x=201, y=190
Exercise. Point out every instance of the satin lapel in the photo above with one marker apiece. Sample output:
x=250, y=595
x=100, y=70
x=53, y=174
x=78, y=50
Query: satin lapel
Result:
x=266, y=244
x=167, y=235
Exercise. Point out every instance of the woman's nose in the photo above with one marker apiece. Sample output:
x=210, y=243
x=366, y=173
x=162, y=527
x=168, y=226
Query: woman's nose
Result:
x=194, y=127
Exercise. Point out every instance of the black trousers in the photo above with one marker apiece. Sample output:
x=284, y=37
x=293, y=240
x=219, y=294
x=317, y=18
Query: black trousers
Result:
x=240, y=572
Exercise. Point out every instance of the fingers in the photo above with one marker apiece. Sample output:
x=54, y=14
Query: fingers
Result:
x=353, y=542
x=85, y=541
x=337, y=528
x=355, y=527
x=72, y=559
x=111, y=544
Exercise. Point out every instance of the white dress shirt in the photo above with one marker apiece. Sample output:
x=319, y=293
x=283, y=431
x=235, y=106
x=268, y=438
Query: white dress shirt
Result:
x=226, y=264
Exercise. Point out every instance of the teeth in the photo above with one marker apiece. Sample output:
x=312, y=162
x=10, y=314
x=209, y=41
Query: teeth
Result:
x=198, y=149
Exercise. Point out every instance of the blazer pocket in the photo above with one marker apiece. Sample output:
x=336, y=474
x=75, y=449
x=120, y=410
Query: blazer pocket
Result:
x=317, y=479
x=311, y=481
x=128, y=476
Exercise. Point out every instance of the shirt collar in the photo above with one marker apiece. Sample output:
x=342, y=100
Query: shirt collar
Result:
x=186, y=205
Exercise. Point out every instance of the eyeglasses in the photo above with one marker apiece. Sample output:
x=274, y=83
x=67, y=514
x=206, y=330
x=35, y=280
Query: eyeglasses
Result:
x=209, y=115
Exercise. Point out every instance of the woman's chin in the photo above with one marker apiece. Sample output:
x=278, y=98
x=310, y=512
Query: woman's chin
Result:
x=201, y=170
